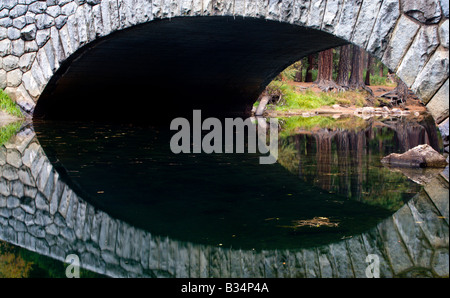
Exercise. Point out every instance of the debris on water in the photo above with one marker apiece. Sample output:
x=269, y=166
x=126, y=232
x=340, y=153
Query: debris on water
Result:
x=316, y=222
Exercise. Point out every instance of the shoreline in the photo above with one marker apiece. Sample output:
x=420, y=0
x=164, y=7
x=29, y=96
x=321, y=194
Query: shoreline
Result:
x=412, y=106
x=6, y=118
x=353, y=110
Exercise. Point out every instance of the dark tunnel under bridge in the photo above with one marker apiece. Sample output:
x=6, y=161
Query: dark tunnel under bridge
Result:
x=167, y=68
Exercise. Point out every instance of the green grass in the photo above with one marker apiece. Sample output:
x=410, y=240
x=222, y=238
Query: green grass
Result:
x=9, y=106
x=309, y=100
x=293, y=99
x=7, y=131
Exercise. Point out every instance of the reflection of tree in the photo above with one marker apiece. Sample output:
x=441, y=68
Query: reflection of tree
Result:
x=12, y=265
x=357, y=147
x=346, y=161
x=343, y=153
x=410, y=134
x=323, y=156
x=17, y=262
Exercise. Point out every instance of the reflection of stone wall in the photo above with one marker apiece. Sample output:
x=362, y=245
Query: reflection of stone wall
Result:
x=410, y=37
x=42, y=214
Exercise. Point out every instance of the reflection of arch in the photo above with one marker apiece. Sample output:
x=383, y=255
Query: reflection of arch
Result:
x=410, y=39
x=42, y=214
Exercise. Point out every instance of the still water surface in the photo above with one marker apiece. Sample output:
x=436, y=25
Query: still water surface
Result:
x=327, y=186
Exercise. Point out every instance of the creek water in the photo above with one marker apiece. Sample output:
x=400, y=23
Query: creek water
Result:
x=328, y=184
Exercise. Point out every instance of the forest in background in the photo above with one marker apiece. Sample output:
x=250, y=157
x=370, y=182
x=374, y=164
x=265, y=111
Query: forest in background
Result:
x=334, y=64
x=343, y=76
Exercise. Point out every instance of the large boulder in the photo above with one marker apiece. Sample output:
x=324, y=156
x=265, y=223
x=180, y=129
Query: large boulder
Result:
x=420, y=156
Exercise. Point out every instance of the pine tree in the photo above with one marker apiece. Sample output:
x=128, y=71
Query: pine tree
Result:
x=344, y=66
x=357, y=75
x=325, y=72
x=308, y=77
x=299, y=73
x=369, y=70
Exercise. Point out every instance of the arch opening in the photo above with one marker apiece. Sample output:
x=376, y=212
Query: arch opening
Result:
x=167, y=68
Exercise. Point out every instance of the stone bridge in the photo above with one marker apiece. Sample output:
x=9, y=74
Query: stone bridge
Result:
x=62, y=58
x=41, y=213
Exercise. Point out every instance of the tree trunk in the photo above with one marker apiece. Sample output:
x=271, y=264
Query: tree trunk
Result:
x=357, y=75
x=325, y=71
x=325, y=66
x=402, y=92
x=369, y=70
x=344, y=66
x=299, y=73
x=309, y=69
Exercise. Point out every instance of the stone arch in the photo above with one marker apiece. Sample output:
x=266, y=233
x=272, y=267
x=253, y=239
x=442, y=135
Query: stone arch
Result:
x=410, y=37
